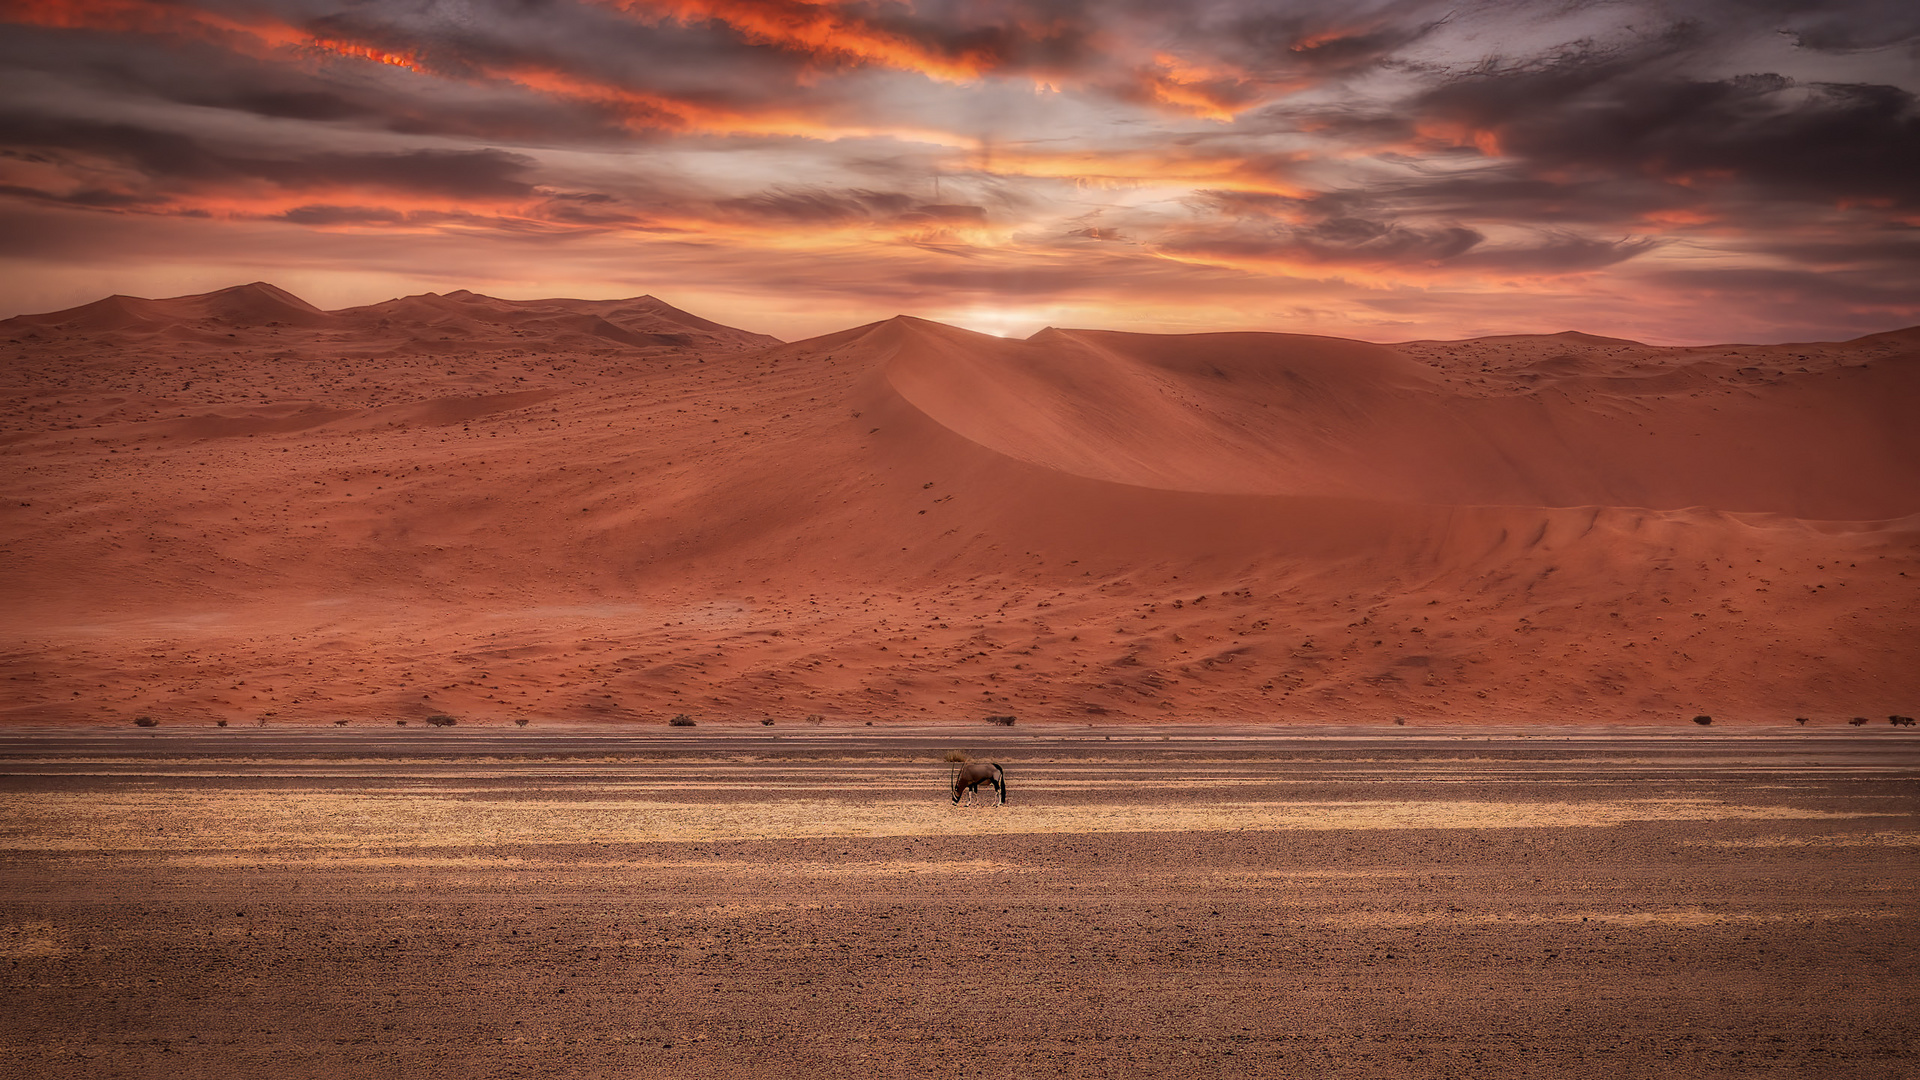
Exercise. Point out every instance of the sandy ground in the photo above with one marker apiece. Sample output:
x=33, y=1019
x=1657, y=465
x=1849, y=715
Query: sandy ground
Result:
x=569, y=901
x=235, y=507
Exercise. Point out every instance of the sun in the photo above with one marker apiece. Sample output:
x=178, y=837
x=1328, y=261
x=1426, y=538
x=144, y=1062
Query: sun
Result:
x=1004, y=322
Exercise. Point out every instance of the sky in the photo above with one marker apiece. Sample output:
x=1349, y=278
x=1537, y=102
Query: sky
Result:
x=1684, y=172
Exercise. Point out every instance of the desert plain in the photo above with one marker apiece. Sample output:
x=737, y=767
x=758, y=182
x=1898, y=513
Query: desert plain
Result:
x=1211, y=902
x=1353, y=691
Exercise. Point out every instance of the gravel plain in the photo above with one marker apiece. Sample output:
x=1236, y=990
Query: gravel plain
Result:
x=745, y=903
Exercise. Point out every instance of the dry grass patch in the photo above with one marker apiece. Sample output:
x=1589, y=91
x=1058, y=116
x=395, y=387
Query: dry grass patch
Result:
x=213, y=820
x=334, y=859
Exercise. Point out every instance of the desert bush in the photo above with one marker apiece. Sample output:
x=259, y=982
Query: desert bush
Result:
x=816, y=719
x=958, y=757
x=1801, y=720
x=400, y=723
x=339, y=723
x=520, y=722
x=1703, y=721
x=1900, y=721
x=145, y=721
x=1003, y=721
x=219, y=723
x=1400, y=721
x=1857, y=721
x=441, y=720
x=766, y=721
x=681, y=720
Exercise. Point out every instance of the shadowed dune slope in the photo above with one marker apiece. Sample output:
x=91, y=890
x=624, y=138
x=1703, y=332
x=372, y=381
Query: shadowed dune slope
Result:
x=505, y=509
x=245, y=305
x=640, y=321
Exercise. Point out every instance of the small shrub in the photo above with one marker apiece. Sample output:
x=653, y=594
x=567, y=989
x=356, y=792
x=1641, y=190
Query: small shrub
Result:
x=816, y=719
x=1400, y=721
x=1857, y=721
x=1900, y=721
x=520, y=722
x=681, y=720
x=400, y=723
x=766, y=722
x=1801, y=720
x=219, y=723
x=339, y=723
x=145, y=721
x=1703, y=721
x=441, y=720
x=958, y=757
x=1003, y=721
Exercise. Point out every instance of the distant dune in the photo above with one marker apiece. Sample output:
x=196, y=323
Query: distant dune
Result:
x=233, y=505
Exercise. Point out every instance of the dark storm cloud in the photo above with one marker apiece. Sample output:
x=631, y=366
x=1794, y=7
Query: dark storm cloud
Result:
x=342, y=215
x=1503, y=193
x=1326, y=39
x=458, y=173
x=1344, y=241
x=172, y=161
x=93, y=198
x=1851, y=27
x=1855, y=290
x=1895, y=245
x=306, y=84
x=1632, y=116
x=1555, y=253
x=1349, y=241
x=486, y=40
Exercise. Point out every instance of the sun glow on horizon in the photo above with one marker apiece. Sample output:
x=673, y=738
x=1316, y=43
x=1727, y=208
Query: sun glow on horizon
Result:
x=1415, y=171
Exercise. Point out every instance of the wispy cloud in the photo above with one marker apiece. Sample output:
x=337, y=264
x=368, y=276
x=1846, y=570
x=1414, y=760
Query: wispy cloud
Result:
x=1412, y=168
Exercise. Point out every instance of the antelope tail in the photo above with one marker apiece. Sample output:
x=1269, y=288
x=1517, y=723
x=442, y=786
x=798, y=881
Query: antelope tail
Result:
x=1001, y=774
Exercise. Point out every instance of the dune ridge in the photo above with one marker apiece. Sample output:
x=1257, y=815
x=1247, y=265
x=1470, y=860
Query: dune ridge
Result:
x=508, y=510
x=1295, y=415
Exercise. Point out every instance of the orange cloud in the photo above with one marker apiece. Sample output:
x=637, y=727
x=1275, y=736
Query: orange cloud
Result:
x=251, y=37
x=646, y=110
x=1678, y=218
x=638, y=109
x=1435, y=131
x=1216, y=94
x=178, y=20
x=820, y=28
x=126, y=15
x=1140, y=168
x=409, y=60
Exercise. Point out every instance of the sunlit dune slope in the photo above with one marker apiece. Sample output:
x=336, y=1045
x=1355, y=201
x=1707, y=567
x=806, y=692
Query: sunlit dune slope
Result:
x=507, y=510
x=1582, y=422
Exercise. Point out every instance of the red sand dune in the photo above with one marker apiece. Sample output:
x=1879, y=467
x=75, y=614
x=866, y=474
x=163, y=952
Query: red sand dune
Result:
x=234, y=505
